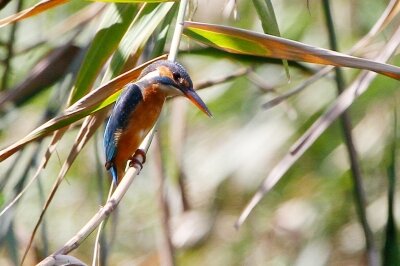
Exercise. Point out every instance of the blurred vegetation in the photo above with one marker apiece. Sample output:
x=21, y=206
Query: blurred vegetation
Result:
x=212, y=167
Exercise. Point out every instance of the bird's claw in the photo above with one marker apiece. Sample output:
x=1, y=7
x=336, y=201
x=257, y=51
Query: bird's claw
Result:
x=135, y=161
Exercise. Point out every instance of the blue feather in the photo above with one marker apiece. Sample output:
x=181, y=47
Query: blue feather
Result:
x=119, y=118
x=114, y=174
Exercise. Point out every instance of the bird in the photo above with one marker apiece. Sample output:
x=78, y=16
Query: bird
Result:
x=137, y=110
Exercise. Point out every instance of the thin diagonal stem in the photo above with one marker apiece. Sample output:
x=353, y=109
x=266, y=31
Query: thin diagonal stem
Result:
x=167, y=256
x=10, y=51
x=176, y=38
x=359, y=193
x=98, y=246
x=167, y=252
x=102, y=241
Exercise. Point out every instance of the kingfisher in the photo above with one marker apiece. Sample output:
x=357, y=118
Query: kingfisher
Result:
x=137, y=109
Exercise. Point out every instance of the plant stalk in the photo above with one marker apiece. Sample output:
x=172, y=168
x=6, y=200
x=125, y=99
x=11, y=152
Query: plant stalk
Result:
x=359, y=193
x=167, y=252
x=10, y=51
x=176, y=38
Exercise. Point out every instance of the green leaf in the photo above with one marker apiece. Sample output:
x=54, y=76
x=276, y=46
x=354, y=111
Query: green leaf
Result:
x=32, y=11
x=116, y=21
x=251, y=60
x=241, y=41
x=266, y=12
x=136, y=37
x=159, y=45
x=267, y=16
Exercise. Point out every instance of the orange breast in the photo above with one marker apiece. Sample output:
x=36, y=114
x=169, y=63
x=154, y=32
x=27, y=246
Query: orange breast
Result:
x=140, y=123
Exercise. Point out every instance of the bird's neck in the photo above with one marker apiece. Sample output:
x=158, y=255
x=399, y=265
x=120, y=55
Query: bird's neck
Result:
x=157, y=85
x=152, y=92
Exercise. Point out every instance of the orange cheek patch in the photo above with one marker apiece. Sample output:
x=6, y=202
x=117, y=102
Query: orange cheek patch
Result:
x=164, y=71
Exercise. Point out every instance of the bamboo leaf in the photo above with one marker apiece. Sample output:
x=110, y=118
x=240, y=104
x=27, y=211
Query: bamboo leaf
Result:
x=216, y=54
x=116, y=22
x=241, y=41
x=159, y=45
x=29, y=12
x=133, y=42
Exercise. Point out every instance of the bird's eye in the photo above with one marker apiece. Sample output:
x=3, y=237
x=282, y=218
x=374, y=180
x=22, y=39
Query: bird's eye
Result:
x=176, y=76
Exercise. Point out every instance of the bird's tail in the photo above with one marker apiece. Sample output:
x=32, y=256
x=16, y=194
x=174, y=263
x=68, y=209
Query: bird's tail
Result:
x=110, y=166
x=114, y=174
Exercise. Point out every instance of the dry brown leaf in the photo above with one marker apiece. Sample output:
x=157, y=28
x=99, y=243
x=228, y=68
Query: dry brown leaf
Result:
x=29, y=12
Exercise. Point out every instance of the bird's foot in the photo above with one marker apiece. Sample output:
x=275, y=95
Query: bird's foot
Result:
x=138, y=159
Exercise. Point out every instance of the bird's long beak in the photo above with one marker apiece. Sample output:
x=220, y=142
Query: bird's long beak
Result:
x=195, y=98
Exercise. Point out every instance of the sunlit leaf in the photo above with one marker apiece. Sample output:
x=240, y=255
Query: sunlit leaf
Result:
x=159, y=45
x=215, y=54
x=116, y=22
x=241, y=41
x=133, y=42
x=29, y=12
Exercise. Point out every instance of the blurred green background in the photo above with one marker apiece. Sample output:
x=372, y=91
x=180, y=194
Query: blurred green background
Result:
x=309, y=218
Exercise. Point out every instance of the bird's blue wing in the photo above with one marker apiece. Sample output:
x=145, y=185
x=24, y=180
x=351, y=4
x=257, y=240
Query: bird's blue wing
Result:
x=125, y=105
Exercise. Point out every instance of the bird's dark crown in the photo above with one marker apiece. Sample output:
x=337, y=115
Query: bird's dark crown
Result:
x=170, y=73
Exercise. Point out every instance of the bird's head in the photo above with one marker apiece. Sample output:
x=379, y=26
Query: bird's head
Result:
x=173, y=79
